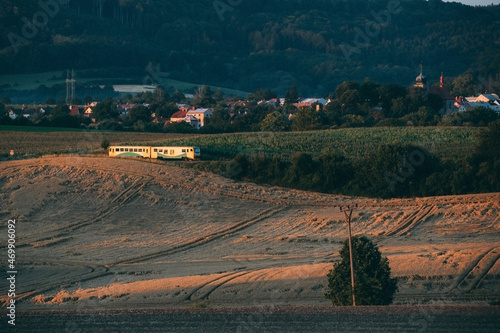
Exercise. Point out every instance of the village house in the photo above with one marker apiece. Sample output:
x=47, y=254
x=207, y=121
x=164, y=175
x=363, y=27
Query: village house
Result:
x=202, y=115
x=124, y=108
x=24, y=112
x=489, y=101
x=88, y=111
x=448, y=105
x=74, y=110
x=311, y=101
x=273, y=102
x=13, y=114
x=178, y=117
x=308, y=102
x=182, y=116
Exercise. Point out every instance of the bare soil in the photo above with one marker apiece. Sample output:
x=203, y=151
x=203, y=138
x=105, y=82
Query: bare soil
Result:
x=103, y=233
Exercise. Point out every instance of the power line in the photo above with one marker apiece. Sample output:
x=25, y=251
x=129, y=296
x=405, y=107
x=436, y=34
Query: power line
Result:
x=70, y=86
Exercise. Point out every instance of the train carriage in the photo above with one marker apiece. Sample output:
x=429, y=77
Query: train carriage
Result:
x=130, y=151
x=176, y=153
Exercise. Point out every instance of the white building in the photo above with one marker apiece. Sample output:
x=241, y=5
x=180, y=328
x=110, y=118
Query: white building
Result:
x=201, y=114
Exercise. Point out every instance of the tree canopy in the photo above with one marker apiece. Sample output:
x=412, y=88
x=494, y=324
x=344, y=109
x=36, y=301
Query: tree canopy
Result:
x=255, y=44
x=372, y=276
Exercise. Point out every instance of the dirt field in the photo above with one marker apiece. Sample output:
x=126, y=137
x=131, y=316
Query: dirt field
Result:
x=108, y=233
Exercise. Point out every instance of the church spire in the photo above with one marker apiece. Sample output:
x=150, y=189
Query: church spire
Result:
x=421, y=80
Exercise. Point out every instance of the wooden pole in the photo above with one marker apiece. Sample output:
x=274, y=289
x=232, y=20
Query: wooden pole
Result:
x=348, y=214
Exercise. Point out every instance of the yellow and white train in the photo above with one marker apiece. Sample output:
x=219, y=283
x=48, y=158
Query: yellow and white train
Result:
x=170, y=153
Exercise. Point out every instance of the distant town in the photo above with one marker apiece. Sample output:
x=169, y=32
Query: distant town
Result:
x=351, y=105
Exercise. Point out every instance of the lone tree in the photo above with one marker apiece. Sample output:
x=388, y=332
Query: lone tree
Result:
x=105, y=144
x=372, y=276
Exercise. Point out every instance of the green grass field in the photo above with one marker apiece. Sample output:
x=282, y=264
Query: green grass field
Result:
x=49, y=79
x=38, y=129
x=354, y=143
x=31, y=81
x=29, y=142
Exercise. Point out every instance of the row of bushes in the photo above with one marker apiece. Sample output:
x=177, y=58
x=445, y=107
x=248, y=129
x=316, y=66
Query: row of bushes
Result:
x=393, y=170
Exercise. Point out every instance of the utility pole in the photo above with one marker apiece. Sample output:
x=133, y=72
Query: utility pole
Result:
x=348, y=214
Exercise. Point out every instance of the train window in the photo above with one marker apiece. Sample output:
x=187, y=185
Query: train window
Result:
x=155, y=150
x=161, y=150
x=140, y=150
x=184, y=150
x=172, y=152
x=135, y=150
x=126, y=149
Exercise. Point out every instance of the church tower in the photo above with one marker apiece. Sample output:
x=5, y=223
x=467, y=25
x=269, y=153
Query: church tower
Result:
x=421, y=80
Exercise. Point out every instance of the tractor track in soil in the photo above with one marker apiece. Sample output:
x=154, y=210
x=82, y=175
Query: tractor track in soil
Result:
x=418, y=212
x=476, y=271
x=267, y=213
x=115, y=204
x=105, y=270
x=419, y=216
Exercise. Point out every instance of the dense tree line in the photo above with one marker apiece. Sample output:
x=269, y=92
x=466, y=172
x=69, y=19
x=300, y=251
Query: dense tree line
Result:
x=393, y=170
x=254, y=44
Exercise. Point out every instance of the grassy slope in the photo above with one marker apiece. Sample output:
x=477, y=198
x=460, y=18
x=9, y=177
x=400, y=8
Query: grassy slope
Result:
x=453, y=142
x=445, y=142
x=35, y=141
x=33, y=81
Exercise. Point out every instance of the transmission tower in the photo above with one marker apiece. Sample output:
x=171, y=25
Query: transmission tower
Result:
x=70, y=87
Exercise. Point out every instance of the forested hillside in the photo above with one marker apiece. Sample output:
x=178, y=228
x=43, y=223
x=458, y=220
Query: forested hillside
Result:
x=253, y=44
